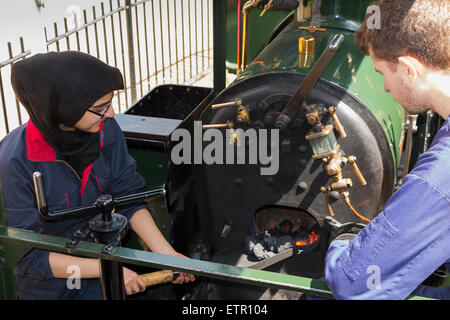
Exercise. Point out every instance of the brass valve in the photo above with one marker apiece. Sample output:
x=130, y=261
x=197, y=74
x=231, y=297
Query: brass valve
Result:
x=267, y=7
x=342, y=186
x=312, y=28
x=336, y=161
x=243, y=114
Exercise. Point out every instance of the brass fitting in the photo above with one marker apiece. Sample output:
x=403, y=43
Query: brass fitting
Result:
x=335, y=164
x=337, y=123
x=306, y=47
x=236, y=102
x=352, y=160
x=267, y=7
x=228, y=125
x=312, y=28
x=243, y=114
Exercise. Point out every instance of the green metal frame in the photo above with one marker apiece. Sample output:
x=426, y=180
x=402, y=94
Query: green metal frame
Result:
x=17, y=240
x=15, y=243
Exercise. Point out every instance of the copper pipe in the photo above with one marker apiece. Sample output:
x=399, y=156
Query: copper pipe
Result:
x=247, y=6
x=239, y=38
x=347, y=201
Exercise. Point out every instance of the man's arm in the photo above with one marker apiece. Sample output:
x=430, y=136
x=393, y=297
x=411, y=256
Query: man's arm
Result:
x=397, y=250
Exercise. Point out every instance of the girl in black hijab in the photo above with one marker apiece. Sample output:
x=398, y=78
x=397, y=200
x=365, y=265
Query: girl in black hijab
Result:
x=58, y=88
x=62, y=92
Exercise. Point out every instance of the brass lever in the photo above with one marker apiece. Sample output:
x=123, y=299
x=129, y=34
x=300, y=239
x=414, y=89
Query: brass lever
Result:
x=243, y=115
x=267, y=7
x=236, y=102
x=352, y=160
x=228, y=125
x=327, y=201
x=338, y=124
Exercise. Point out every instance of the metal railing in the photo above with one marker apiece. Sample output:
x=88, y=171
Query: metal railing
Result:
x=152, y=42
x=8, y=63
x=146, y=39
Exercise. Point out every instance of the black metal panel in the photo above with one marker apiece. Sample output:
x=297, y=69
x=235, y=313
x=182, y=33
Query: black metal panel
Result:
x=233, y=193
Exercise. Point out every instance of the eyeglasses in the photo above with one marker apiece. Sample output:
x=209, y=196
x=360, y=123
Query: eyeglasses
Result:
x=106, y=106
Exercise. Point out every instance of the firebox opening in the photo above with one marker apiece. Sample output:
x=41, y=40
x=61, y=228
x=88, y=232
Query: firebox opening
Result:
x=293, y=225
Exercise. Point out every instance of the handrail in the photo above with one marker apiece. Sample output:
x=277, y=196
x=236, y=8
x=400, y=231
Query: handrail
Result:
x=154, y=260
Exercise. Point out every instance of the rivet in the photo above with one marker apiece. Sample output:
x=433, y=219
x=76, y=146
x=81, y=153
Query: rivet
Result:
x=302, y=148
x=302, y=185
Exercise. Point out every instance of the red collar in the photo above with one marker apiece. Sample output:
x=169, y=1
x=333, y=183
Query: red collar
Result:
x=37, y=148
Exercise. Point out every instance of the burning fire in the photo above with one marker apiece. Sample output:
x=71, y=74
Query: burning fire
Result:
x=301, y=236
x=312, y=237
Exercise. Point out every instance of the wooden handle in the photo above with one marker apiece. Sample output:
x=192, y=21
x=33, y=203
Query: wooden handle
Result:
x=158, y=277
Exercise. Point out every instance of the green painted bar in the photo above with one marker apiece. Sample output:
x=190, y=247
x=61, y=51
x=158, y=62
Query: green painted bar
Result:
x=19, y=239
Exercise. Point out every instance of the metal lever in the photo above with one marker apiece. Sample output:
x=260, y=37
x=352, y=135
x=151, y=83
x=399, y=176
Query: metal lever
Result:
x=267, y=7
x=237, y=102
x=338, y=124
x=327, y=201
x=352, y=160
x=308, y=83
x=40, y=193
x=228, y=125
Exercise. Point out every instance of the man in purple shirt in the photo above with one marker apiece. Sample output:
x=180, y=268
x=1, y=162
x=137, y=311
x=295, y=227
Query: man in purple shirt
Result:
x=410, y=238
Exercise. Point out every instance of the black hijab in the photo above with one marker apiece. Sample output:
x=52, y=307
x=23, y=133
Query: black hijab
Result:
x=58, y=87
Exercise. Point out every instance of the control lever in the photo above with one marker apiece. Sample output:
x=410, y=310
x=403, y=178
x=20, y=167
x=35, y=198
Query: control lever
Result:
x=293, y=106
x=103, y=203
x=106, y=227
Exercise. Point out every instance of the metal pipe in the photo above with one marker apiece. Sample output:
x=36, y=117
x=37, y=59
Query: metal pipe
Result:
x=176, y=40
x=55, y=27
x=162, y=40
x=182, y=41
x=96, y=33
x=5, y=114
x=114, y=46
x=19, y=116
x=146, y=45
x=86, y=33
x=104, y=33
x=169, y=42
x=411, y=124
x=239, y=37
x=123, y=56
x=138, y=43
x=154, y=43
x=111, y=279
x=77, y=34
x=129, y=22
x=66, y=28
